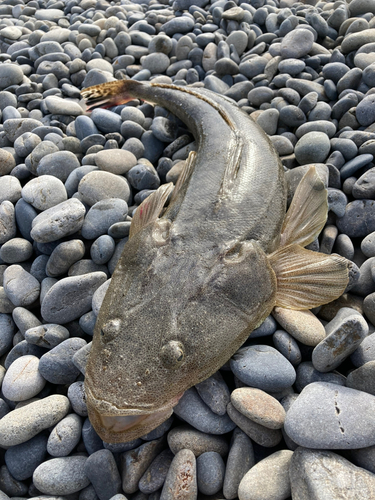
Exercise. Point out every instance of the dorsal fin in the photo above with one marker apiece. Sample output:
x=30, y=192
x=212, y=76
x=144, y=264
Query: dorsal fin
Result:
x=307, y=213
x=150, y=209
x=184, y=176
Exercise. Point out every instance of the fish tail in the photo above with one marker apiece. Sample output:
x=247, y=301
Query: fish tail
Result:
x=106, y=95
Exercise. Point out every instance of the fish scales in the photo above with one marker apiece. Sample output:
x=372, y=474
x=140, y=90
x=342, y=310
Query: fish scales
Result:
x=195, y=279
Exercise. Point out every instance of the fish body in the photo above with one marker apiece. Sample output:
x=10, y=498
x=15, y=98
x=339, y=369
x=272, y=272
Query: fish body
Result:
x=195, y=279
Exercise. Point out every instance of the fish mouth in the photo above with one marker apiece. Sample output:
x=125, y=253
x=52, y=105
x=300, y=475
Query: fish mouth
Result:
x=120, y=425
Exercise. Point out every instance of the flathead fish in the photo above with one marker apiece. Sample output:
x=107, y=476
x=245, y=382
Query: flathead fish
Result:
x=199, y=275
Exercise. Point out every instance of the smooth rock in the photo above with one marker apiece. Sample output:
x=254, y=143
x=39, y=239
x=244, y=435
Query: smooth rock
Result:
x=61, y=476
x=23, y=380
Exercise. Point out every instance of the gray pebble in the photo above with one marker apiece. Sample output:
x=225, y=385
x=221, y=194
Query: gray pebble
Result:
x=193, y=410
x=24, y=458
x=312, y=147
x=102, y=215
x=365, y=284
x=15, y=127
x=296, y=44
x=25, y=214
x=59, y=221
x=364, y=187
x=65, y=436
x=359, y=219
x=365, y=111
x=40, y=151
x=154, y=477
x=116, y=161
x=134, y=463
x=362, y=378
x=10, y=485
x=317, y=474
x=103, y=247
x=22, y=424
x=20, y=286
x=98, y=185
x=102, y=471
x=8, y=228
x=143, y=176
x=258, y=433
x=307, y=374
x=77, y=398
x=210, y=473
x=59, y=164
x=288, y=346
x=351, y=167
x=10, y=189
x=80, y=358
x=71, y=297
x=90, y=438
x=181, y=478
x=16, y=250
x=215, y=393
x=44, y=192
x=240, y=460
x=7, y=332
x=106, y=121
x=61, y=476
x=311, y=423
x=263, y=367
x=57, y=365
x=23, y=380
x=64, y=256
x=7, y=162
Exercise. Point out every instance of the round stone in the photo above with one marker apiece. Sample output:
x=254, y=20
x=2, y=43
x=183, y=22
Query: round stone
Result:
x=116, y=161
x=102, y=215
x=10, y=74
x=98, y=185
x=296, y=44
x=313, y=147
x=23, y=380
x=16, y=250
x=210, y=472
x=57, y=366
x=20, y=286
x=7, y=162
x=61, y=476
x=24, y=458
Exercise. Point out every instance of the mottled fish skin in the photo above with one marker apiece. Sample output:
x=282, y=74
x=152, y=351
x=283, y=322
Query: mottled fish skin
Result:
x=190, y=286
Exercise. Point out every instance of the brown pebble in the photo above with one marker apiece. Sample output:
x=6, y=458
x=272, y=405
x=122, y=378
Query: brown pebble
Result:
x=304, y=326
x=181, y=480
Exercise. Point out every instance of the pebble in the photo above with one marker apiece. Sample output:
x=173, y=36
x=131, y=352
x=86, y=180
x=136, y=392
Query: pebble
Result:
x=194, y=411
x=240, y=460
x=210, y=472
x=8, y=228
x=102, y=215
x=102, y=471
x=20, y=425
x=56, y=366
x=44, y=192
x=357, y=222
x=198, y=442
x=269, y=478
x=154, y=477
x=317, y=474
x=65, y=436
x=307, y=374
x=301, y=325
x=326, y=429
x=24, y=458
x=16, y=250
x=116, y=161
x=23, y=380
x=181, y=480
x=100, y=185
x=77, y=398
x=64, y=256
x=215, y=393
x=61, y=476
x=263, y=367
x=312, y=147
x=61, y=220
x=71, y=297
x=21, y=288
x=258, y=406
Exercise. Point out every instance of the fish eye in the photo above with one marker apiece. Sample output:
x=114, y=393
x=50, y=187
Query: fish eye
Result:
x=110, y=330
x=172, y=354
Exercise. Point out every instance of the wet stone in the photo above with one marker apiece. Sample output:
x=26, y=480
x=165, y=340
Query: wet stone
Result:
x=194, y=411
x=22, y=424
x=44, y=192
x=311, y=423
x=71, y=297
x=65, y=436
x=61, y=476
x=57, y=365
x=23, y=379
x=263, y=367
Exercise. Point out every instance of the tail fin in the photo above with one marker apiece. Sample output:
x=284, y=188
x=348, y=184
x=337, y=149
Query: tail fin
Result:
x=110, y=94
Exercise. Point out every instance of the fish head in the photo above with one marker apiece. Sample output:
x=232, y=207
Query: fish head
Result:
x=172, y=316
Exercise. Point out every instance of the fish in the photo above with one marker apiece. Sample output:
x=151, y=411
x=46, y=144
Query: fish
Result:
x=206, y=262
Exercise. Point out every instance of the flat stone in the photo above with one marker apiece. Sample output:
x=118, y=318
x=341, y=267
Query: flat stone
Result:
x=154, y=477
x=44, y=192
x=116, y=161
x=57, y=365
x=65, y=436
x=184, y=436
x=304, y=326
x=100, y=185
x=210, y=472
x=215, y=393
x=23, y=380
x=24, y=458
x=21, y=288
x=61, y=476
x=102, y=471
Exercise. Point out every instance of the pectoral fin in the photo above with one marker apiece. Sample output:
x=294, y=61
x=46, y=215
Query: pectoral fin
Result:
x=307, y=279
x=150, y=209
x=307, y=213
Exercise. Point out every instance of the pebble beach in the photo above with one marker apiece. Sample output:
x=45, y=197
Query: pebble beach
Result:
x=291, y=416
